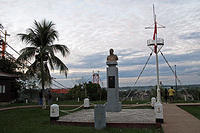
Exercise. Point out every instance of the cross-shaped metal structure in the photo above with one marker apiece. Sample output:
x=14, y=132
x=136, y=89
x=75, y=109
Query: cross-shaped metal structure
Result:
x=157, y=43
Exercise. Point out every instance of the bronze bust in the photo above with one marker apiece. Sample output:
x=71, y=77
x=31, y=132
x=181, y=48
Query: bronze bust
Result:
x=112, y=56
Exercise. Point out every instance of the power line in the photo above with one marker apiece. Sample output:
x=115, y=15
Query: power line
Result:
x=13, y=49
x=31, y=63
x=59, y=83
x=140, y=74
x=170, y=67
x=56, y=85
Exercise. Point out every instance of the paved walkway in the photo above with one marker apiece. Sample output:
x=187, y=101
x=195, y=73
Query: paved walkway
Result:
x=124, y=116
x=177, y=120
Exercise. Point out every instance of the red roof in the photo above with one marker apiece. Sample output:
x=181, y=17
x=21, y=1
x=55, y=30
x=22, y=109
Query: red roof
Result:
x=60, y=91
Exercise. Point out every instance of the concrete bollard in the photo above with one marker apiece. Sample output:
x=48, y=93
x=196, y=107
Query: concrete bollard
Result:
x=26, y=100
x=99, y=116
x=86, y=103
x=158, y=109
x=54, y=112
x=185, y=98
x=153, y=101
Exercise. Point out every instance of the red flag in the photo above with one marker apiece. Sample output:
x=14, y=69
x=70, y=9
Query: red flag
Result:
x=3, y=49
x=155, y=31
x=154, y=37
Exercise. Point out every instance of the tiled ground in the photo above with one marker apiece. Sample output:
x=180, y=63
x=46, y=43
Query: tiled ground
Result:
x=125, y=116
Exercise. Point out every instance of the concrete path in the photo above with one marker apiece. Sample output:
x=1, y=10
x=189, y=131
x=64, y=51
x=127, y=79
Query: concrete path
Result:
x=124, y=116
x=177, y=120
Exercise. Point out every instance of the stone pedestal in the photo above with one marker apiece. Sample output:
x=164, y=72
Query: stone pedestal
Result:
x=113, y=104
x=99, y=116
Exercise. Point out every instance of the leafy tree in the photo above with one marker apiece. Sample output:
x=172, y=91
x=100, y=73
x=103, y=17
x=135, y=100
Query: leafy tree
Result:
x=8, y=66
x=94, y=91
x=195, y=92
x=42, y=49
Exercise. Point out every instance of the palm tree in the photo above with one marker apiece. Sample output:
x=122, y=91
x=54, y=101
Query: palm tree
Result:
x=42, y=49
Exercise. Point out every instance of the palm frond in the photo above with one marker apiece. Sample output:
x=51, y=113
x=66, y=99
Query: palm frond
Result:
x=25, y=38
x=60, y=65
x=33, y=69
x=47, y=75
x=41, y=38
x=27, y=54
x=60, y=48
x=50, y=62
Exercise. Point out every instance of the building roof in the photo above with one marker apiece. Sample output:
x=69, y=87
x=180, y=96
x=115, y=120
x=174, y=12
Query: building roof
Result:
x=60, y=91
x=3, y=74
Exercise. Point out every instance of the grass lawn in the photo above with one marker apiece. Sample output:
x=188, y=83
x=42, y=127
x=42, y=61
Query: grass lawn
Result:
x=17, y=104
x=183, y=101
x=71, y=102
x=194, y=110
x=67, y=102
x=36, y=120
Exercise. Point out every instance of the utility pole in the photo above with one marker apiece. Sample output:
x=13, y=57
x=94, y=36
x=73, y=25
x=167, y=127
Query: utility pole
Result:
x=175, y=79
x=3, y=43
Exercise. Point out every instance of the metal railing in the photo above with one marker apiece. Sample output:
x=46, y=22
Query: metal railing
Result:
x=160, y=41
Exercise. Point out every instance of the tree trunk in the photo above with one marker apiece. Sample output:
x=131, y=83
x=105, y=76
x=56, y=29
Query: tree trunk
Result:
x=42, y=75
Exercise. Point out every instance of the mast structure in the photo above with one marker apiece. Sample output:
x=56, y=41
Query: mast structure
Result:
x=3, y=42
x=157, y=44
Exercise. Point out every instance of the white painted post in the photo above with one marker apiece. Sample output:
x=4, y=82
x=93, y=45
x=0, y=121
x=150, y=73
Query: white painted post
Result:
x=26, y=100
x=86, y=103
x=54, y=112
x=158, y=109
x=153, y=101
x=185, y=98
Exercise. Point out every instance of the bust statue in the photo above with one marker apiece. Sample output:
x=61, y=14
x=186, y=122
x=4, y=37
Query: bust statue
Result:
x=112, y=56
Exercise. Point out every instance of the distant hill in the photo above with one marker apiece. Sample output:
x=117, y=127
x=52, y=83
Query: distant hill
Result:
x=150, y=87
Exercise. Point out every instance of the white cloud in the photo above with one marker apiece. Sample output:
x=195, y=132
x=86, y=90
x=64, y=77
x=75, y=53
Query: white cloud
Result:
x=93, y=26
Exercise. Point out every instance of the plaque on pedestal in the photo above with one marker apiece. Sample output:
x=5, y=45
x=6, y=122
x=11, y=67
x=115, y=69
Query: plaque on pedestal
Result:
x=113, y=104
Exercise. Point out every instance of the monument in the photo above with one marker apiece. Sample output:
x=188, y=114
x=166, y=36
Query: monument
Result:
x=113, y=104
x=99, y=116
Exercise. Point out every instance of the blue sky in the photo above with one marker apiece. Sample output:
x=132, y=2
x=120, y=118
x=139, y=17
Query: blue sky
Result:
x=91, y=27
